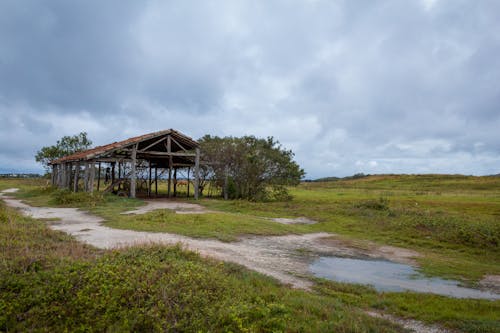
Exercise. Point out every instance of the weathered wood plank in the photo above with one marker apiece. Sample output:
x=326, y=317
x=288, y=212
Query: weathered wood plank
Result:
x=99, y=177
x=91, y=177
x=76, y=176
x=197, y=174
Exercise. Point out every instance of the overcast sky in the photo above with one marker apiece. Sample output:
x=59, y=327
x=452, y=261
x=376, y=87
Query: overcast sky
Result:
x=350, y=86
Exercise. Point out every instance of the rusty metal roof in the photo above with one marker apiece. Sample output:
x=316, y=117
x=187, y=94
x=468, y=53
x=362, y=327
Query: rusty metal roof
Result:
x=101, y=151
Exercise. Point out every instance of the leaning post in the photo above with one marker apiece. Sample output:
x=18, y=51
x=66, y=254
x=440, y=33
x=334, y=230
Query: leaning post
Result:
x=197, y=174
x=76, y=175
x=91, y=177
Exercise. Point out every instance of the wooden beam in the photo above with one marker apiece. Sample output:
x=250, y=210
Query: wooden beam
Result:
x=153, y=144
x=177, y=143
x=162, y=153
x=197, y=175
x=133, y=175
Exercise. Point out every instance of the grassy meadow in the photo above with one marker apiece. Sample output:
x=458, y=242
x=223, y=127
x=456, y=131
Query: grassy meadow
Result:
x=453, y=221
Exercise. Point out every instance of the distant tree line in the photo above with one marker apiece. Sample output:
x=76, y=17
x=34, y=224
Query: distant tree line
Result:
x=20, y=175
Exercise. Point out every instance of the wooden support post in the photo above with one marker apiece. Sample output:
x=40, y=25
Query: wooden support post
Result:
x=156, y=180
x=75, y=177
x=86, y=177
x=169, y=150
x=62, y=179
x=197, y=174
x=149, y=180
x=113, y=172
x=133, y=175
x=91, y=177
x=119, y=174
x=188, y=181
x=54, y=175
x=169, y=181
x=99, y=177
x=68, y=176
x=175, y=182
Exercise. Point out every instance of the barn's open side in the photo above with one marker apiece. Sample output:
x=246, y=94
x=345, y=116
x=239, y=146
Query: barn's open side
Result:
x=168, y=151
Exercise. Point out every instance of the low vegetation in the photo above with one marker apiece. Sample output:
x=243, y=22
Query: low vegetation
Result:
x=49, y=282
x=453, y=221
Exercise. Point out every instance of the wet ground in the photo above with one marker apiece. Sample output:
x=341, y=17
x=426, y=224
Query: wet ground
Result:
x=385, y=275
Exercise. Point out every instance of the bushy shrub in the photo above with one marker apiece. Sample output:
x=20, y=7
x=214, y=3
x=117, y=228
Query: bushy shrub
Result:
x=67, y=197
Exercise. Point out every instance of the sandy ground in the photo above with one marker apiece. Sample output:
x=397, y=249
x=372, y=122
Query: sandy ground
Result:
x=177, y=206
x=410, y=324
x=286, y=258
x=298, y=220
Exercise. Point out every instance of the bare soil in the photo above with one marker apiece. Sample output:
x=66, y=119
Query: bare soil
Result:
x=177, y=206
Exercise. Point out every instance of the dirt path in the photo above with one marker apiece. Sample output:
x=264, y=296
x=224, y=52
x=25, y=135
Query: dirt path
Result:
x=286, y=258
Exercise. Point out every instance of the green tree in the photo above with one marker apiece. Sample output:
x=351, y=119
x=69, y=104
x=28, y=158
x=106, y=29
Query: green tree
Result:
x=252, y=168
x=65, y=146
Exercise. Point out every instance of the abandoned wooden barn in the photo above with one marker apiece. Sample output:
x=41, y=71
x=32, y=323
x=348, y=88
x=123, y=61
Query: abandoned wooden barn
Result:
x=128, y=161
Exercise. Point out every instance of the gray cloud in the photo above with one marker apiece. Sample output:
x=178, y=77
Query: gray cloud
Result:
x=350, y=86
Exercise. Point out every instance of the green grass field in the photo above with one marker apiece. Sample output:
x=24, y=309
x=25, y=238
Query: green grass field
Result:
x=453, y=221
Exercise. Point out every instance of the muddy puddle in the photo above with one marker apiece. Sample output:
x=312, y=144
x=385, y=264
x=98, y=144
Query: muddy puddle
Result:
x=386, y=275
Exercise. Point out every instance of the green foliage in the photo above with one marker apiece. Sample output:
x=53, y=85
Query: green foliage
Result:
x=65, y=146
x=255, y=169
x=464, y=315
x=226, y=227
x=379, y=204
x=451, y=220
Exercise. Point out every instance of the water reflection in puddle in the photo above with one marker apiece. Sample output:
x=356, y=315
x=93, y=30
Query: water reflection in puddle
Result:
x=389, y=276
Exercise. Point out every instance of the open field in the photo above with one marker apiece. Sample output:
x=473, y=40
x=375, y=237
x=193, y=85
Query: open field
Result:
x=452, y=221
x=49, y=282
